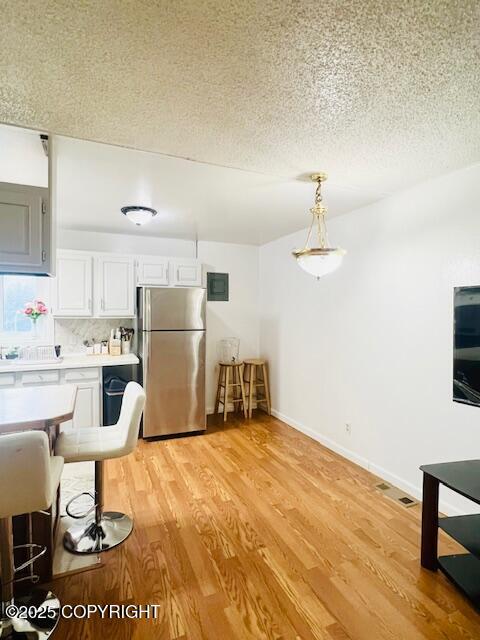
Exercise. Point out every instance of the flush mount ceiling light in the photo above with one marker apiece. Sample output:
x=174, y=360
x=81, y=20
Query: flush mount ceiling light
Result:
x=318, y=261
x=138, y=215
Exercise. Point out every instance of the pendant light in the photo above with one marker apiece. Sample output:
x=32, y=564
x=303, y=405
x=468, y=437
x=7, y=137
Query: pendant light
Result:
x=318, y=261
x=138, y=215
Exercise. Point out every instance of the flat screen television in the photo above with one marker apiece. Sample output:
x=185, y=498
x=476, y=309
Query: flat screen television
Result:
x=466, y=346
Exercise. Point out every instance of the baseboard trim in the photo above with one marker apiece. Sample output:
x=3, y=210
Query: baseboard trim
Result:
x=377, y=470
x=327, y=442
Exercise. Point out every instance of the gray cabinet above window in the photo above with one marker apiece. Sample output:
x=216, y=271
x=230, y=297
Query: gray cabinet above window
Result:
x=25, y=230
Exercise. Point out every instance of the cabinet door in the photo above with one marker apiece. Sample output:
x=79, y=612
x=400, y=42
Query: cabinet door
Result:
x=73, y=285
x=152, y=271
x=114, y=291
x=87, y=406
x=186, y=273
x=7, y=380
x=22, y=209
x=39, y=378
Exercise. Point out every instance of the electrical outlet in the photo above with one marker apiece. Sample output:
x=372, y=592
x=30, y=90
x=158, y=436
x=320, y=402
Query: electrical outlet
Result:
x=348, y=428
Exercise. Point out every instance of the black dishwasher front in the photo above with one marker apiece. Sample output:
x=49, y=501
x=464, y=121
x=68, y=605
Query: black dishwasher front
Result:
x=115, y=379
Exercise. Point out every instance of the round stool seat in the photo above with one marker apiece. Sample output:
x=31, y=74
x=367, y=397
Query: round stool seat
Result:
x=256, y=361
x=231, y=364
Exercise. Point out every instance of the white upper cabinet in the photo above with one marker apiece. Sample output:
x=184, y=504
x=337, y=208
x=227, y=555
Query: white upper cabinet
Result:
x=73, y=296
x=114, y=286
x=24, y=229
x=102, y=285
x=152, y=271
x=185, y=273
x=168, y=272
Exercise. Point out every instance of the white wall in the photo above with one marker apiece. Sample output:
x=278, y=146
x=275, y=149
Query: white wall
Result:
x=125, y=243
x=371, y=344
x=238, y=317
x=22, y=159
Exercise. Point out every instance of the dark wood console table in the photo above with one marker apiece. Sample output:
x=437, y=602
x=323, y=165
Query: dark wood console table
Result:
x=463, y=569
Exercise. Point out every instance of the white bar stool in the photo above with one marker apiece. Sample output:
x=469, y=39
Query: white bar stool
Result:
x=110, y=528
x=29, y=479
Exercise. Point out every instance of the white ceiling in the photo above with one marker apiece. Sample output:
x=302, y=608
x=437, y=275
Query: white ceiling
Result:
x=193, y=199
x=381, y=94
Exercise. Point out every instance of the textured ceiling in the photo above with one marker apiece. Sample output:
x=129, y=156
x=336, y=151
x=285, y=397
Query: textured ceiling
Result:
x=381, y=94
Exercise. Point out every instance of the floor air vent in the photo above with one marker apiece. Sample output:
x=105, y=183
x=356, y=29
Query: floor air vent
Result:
x=396, y=495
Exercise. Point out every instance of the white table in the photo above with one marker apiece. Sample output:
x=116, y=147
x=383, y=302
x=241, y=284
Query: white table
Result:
x=36, y=407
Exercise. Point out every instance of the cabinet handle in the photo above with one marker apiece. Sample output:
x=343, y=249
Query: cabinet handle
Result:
x=90, y=304
x=103, y=305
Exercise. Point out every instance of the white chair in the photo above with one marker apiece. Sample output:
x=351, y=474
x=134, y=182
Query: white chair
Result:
x=29, y=479
x=108, y=529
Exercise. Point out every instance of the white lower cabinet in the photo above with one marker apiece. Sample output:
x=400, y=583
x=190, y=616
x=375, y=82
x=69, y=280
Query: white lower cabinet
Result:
x=39, y=378
x=87, y=405
x=87, y=380
x=7, y=380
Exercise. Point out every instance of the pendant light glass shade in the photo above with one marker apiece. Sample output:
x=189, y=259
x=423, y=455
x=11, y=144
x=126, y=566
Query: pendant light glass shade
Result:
x=138, y=215
x=318, y=261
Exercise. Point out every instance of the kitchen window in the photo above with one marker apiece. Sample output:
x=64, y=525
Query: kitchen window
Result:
x=17, y=329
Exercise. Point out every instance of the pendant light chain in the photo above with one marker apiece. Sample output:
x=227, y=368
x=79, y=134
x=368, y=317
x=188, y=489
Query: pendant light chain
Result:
x=318, y=214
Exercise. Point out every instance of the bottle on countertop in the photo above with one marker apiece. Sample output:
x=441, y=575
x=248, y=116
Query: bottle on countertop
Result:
x=115, y=345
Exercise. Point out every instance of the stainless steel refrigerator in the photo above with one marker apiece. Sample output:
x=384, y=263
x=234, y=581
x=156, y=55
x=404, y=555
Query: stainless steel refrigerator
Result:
x=172, y=350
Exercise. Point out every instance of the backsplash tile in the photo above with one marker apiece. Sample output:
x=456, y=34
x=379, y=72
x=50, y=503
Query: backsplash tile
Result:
x=70, y=333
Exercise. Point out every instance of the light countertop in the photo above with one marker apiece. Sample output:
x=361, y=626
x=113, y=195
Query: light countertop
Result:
x=70, y=361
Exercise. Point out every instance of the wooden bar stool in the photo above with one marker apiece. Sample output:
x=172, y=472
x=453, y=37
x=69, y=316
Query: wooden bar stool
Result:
x=251, y=378
x=230, y=378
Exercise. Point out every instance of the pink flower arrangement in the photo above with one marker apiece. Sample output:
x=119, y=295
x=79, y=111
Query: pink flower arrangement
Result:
x=35, y=309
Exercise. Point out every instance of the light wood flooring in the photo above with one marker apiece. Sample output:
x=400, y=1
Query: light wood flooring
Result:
x=255, y=531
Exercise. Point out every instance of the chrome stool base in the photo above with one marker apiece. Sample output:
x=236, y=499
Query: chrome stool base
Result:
x=111, y=530
x=23, y=626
